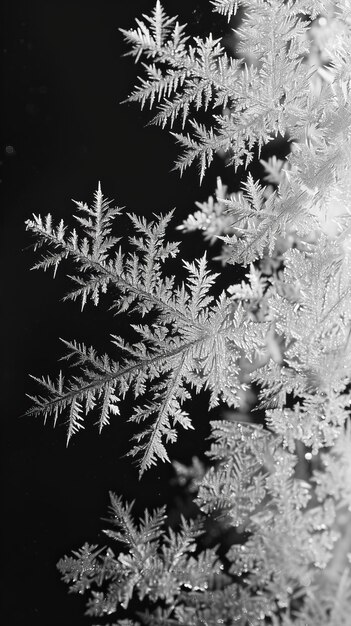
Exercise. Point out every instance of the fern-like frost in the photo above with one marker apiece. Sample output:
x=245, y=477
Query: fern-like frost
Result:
x=194, y=341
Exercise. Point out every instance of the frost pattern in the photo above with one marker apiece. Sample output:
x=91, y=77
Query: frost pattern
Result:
x=283, y=487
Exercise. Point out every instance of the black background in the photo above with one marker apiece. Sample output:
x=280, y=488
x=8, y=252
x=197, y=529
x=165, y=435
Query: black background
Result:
x=64, y=128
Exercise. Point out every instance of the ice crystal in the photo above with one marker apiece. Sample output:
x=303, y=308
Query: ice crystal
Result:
x=282, y=487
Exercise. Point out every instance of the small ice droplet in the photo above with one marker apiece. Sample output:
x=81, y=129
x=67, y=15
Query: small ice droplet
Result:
x=282, y=604
x=10, y=151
